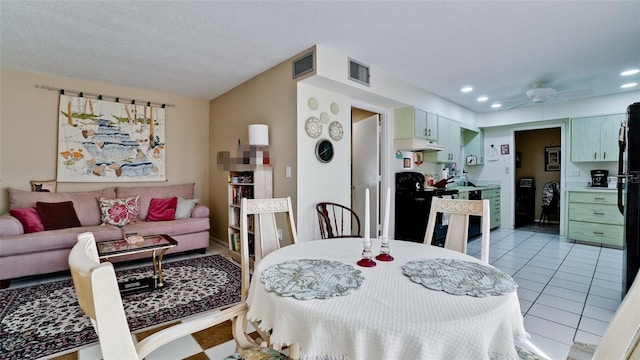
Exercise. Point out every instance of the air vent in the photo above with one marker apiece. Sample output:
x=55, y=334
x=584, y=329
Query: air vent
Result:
x=358, y=72
x=303, y=65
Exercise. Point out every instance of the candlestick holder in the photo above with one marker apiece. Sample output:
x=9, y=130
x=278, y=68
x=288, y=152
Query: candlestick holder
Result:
x=384, y=250
x=366, y=254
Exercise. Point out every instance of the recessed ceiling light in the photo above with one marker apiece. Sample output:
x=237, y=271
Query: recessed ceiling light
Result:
x=630, y=72
x=628, y=85
x=483, y=98
x=466, y=89
x=496, y=106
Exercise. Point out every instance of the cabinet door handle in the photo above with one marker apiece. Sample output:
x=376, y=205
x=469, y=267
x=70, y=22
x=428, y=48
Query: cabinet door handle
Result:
x=598, y=213
x=604, y=155
x=599, y=198
x=595, y=154
x=429, y=132
x=598, y=232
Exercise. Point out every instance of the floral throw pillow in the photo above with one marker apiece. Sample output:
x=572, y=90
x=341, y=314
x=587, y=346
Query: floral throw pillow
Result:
x=119, y=212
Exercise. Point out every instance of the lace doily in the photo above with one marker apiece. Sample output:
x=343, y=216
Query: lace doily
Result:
x=459, y=277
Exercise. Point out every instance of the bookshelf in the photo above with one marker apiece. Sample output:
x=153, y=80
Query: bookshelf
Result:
x=256, y=183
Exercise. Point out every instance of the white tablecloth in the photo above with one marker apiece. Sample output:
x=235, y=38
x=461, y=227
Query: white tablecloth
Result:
x=389, y=316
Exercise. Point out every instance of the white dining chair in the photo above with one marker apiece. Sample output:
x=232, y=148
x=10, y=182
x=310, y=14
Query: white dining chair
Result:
x=457, y=212
x=99, y=298
x=621, y=339
x=258, y=222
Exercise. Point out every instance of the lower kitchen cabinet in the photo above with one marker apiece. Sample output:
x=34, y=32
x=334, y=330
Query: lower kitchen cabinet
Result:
x=494, y=204
x=594, y=218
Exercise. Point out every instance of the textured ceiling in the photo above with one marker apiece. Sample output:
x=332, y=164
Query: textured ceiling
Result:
x=204, y=48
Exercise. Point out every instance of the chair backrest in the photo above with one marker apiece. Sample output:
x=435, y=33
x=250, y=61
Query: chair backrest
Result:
x=337, y=221
x=458, y=212
x=265, y=231
x=621, y=339
x=550, y=194
x=99, y=297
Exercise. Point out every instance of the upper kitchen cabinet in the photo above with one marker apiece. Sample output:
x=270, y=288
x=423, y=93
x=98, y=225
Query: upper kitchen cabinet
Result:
x=473, y=145
x=415, y=130
x=415, y=123
x=449, y=138
x=595, y=138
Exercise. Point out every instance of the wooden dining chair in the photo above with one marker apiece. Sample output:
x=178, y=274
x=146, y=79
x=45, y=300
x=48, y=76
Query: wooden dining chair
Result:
x=337, y=221
x=456, y=213
x=99, y=298
x=263, y=237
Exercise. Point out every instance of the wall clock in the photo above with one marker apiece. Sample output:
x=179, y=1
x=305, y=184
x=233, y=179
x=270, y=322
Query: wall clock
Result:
x=324, y=151
x=472, y=160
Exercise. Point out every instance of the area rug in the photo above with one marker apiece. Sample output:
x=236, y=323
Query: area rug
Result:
x=45, y=319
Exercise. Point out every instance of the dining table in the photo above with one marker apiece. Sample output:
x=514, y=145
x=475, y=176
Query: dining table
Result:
x=428, y=303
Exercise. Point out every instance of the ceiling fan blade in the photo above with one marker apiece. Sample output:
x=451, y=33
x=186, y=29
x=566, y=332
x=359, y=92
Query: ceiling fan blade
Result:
x=518, y=104
x=574, y=93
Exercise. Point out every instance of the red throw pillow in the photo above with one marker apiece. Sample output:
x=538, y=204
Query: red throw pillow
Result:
x=29, y=218
x=60, y=215
x=162, y=209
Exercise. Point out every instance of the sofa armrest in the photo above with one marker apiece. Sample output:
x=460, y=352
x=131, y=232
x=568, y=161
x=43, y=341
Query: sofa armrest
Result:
x=10, y=226
x=200, y=211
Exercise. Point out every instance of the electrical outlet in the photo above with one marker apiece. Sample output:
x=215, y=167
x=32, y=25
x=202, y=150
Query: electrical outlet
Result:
x=506, y=170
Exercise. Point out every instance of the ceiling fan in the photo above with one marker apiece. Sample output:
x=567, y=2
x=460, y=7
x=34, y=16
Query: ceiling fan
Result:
x=540, y=94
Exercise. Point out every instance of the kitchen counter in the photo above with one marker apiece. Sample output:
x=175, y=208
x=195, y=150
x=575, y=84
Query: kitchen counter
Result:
x=592, y=189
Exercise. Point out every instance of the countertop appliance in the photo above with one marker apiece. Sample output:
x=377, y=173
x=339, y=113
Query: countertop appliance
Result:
x=599, y=178
x=413, y=203
x=629, y=192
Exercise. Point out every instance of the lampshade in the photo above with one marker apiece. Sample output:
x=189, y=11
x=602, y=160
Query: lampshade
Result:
x=259, y=135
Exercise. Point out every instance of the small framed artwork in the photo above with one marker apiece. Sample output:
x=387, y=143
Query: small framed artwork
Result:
x=418, y=157
x=44, y=186
x=552, y=158
x=406, y=163
x=504, y=149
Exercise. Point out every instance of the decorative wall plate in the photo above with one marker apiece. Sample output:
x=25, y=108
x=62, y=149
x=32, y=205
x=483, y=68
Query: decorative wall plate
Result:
x=324, y=117
x=313, y=127
x=313, y=103
x=335, y=108
x=335, y=131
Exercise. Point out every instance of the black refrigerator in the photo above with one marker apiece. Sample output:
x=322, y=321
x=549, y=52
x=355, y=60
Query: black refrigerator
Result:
x=629, y=192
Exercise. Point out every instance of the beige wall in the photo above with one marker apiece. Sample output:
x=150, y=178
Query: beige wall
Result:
x=268, y=98
x=29, y=134
x=531, y=144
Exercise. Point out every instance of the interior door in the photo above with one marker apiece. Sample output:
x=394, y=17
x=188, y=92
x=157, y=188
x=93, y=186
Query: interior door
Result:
x=365, y=170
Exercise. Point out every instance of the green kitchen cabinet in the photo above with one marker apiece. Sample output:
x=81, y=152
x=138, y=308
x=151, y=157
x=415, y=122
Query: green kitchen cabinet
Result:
x=594, y=218
x=410, y=122
x=449, y=138
x=473, y=144
x=595, y=138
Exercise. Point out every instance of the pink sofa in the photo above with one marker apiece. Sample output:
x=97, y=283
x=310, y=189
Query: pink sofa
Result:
x=47, y=251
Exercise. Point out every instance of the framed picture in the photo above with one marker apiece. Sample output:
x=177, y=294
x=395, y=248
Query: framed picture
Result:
x=552, y=158
x=504, y=149
x=44, y=186
x=418, y=157
x=406, y=163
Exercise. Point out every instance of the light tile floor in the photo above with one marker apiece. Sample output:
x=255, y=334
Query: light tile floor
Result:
x=567, y=291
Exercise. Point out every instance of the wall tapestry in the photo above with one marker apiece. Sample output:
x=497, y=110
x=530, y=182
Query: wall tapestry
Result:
x=106, y=141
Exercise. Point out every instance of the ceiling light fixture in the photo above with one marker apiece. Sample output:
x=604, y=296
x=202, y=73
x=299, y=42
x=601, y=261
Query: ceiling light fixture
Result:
x=483, y=98
x=466, y=89
x=496, y=106
x=630, y=72
x=628, y=85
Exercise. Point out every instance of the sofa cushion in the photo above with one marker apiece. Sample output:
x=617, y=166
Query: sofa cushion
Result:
x=119, y=212
x=174, y=227
x=184, y=207
x=146, y=193
x=60, y=215
x=162, y=209
x=85, y=203
x=29, y=218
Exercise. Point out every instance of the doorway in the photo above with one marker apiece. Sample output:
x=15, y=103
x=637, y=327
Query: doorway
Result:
x=365, y=166
x=533, y=160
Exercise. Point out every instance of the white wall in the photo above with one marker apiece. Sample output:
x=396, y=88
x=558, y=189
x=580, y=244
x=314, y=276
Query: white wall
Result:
x=318, y=182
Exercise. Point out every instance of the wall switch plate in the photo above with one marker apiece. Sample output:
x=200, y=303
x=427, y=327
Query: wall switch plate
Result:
x=287, y=171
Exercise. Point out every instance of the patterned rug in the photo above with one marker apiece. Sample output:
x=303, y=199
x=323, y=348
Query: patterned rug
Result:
x=45, y=319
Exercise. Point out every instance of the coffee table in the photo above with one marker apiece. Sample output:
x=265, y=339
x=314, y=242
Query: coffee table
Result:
x=157, y=244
